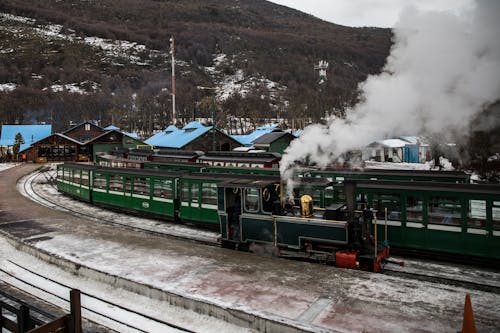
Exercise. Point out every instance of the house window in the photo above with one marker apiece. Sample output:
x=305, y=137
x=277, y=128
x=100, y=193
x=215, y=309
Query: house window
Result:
x=87, y=127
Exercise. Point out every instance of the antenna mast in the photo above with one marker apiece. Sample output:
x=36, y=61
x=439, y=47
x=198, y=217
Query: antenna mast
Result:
x=172, y=53
x=322, y=66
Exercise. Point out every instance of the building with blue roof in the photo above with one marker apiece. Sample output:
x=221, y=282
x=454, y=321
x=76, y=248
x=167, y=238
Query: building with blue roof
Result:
x=248, y=139
x=193, y=136
x=30, y=134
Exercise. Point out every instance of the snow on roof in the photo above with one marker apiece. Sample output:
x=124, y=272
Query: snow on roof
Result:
x=112, y=127
x=132, y=135
x=173, y=137
x=248, y=139
x=389, y=143
x=30, y=133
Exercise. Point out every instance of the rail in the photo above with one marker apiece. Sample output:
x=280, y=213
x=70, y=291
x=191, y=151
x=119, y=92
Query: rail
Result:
x=26, y=322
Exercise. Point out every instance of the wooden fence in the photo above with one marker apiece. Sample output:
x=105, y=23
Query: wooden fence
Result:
x=26, y=323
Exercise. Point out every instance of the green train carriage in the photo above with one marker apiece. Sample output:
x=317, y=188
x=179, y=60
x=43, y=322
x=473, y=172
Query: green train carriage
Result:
x=137, y=190
x=198, y=198
x=75, y=180
x=459, y=219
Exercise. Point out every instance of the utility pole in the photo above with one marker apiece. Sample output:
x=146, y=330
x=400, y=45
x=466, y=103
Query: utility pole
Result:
x=172, y=53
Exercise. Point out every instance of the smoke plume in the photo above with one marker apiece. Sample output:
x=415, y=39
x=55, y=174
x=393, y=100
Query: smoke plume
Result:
x=443, y=69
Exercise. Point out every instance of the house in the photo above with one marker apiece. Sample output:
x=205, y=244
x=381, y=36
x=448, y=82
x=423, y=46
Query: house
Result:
x=390, y=150
x=408, y=149
x=248, y=139
x=275, y=142
x=79, y=143
x=112, y=140
x=193, y=136
x=57, y=147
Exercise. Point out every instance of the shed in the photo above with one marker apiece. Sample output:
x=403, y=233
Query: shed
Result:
x=274, y=142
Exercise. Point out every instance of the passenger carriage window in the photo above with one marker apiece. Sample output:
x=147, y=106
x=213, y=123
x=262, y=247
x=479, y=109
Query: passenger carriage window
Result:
x=60, y=172
x=195, y=193
x=414, y=209
x=85, y=178
x=328, y=196
x=141, y=186
x=361, y=201
x=316, y=196
x=340, y=195
x=67, y=174
x=116, y=183
x=495, y=215
x=99, y=180
x=251, y=200
x=76, y=177
x=128, y=184
x=209, y=194
x=163, y=188
x=477, y=214
x=444, y=210
x=185, y=192
x=390, y=201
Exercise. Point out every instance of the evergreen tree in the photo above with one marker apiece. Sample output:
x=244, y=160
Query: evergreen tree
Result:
x=18, y=141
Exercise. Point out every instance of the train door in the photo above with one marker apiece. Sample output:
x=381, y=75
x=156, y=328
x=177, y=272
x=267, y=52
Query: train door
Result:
x=233, y=211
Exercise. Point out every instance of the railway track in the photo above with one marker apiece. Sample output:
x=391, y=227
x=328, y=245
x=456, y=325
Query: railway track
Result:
x=449, y=281
x=152, y=227
x=430, y=274
x=104, y=312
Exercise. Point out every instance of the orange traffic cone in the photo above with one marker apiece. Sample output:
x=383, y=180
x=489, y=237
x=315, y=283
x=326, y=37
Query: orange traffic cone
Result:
x=468, y=325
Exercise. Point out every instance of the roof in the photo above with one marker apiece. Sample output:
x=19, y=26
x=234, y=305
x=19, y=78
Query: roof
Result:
x=81, y=124
x=30, y=133
x=173, y=137
x=132, y=135
x=111, y=127
x=248, y=139
x=389, y=143
x=271, y=137
x=160, y=138
x=55, y=134
x=232, y=156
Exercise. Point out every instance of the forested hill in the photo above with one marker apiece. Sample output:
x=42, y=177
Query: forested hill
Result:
x=107, y=60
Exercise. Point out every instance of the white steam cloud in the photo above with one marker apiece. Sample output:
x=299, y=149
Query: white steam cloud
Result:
x=444, y=68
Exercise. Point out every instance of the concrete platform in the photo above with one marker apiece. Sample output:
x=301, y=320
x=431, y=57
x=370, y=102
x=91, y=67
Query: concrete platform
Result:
x=261, y=293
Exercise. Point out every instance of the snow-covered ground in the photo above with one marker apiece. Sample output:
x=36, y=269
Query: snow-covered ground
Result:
x=5, y=166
